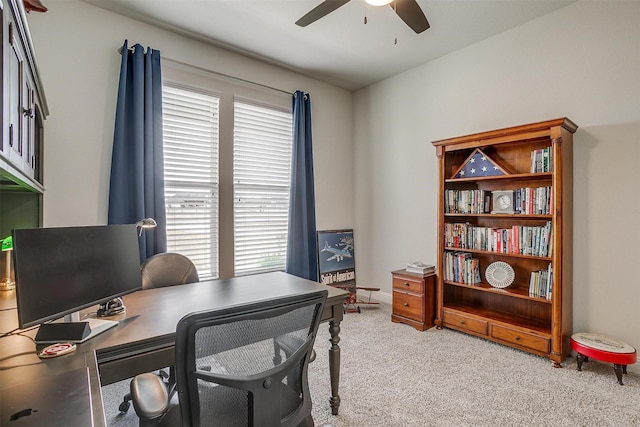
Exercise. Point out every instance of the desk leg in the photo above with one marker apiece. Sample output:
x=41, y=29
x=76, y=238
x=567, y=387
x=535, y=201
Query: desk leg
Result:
x=334, y=361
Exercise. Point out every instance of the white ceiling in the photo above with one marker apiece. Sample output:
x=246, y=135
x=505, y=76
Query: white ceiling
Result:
x=339, y=48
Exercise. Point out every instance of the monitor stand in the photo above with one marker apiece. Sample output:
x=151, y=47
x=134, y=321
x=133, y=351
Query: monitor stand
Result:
x=72, y=330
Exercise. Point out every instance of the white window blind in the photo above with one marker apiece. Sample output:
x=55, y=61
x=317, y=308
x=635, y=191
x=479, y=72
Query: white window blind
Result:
x=261, y=176
x=190, y=128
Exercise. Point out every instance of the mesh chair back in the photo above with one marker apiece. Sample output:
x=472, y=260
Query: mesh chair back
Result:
x=168, y=269
x=228, y=371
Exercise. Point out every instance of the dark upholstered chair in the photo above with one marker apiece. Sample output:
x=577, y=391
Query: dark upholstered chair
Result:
x=160, y=270
x=241, y=385
x=168, y=269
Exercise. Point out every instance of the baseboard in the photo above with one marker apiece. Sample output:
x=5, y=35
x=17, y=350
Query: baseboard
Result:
x=379, y=296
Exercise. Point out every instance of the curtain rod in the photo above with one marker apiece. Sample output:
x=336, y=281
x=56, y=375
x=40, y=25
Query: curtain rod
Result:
x=238, y=79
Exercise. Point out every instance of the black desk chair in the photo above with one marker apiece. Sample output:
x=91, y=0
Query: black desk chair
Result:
x=160, y=270
x=241, y=385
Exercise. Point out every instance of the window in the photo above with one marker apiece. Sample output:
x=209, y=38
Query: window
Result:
x=227, y=154
x=262, y=142
x=190, y=132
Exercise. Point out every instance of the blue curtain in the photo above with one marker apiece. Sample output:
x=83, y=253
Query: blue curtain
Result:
x=136, y=188
x=302, y=251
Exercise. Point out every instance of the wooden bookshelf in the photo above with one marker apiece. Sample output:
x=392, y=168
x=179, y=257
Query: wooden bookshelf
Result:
x=512, y=315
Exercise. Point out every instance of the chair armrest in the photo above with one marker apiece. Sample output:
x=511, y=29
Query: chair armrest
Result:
x=289, y=344
x=149, y=396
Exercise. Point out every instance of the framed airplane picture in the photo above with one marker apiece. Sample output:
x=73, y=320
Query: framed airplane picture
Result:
x=336, y=257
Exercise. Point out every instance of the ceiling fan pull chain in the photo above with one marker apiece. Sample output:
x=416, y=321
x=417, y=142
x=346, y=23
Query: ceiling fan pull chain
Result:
x=395, y=9
x=364, y=11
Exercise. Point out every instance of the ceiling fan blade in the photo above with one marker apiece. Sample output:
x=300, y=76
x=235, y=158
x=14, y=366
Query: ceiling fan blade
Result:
x=409, y=11
x=324, y=8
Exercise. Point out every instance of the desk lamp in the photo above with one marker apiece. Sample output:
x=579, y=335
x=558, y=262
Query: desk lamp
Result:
x=116, y=305
x=7, y=246
x=146, y=223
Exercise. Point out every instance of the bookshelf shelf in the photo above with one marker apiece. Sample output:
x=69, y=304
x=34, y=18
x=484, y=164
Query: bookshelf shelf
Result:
x=513, y=292
x=538, y=160
x=502, y=254
x=513, y=177
x=487, y=215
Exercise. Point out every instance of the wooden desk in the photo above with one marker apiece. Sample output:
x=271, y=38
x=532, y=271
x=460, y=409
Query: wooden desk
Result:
x=144, y=338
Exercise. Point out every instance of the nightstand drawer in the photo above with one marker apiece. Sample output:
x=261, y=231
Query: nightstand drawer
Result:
x=406, y=284
x=408, y=305
x=461, y=321
x=519, y=337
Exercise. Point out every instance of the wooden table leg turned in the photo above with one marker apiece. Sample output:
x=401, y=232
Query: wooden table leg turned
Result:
x=334, y=365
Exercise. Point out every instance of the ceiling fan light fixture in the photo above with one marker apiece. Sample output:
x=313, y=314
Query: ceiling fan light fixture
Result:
x=408, y=10
x=378, y=2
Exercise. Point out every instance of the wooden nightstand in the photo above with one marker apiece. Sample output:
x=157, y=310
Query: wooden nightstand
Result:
x=414, y=299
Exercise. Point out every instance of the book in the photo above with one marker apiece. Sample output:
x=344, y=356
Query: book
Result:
x=419, y=267
x=541, y=160
x=467, y=201
x=461, y=267
x=541, y=283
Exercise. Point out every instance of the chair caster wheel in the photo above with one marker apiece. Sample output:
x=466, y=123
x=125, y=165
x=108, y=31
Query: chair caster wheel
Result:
x=124, y=406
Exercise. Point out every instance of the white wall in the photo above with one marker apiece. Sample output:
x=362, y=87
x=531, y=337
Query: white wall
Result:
x=76, y=47
x=582, y=62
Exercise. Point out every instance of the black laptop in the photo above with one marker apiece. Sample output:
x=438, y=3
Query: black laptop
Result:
x=39, y=402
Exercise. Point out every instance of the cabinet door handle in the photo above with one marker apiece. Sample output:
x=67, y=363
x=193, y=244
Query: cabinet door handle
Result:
x=28, y=112
x=11, y=135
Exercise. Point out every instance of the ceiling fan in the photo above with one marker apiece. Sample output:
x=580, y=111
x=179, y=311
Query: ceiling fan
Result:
x=408, y=10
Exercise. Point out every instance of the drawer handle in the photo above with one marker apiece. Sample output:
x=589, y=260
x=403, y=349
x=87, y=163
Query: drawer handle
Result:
x=517, y=338
x=406, y=304
x=462, y=322
x=406, y=283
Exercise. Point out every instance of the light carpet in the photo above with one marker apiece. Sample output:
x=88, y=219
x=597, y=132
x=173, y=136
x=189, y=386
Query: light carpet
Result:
x=393, y=375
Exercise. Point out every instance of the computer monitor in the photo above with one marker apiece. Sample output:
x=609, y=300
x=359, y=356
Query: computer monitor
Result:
x=63, y=270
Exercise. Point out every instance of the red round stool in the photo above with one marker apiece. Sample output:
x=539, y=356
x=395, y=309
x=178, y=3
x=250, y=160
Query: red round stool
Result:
x=604, y=348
